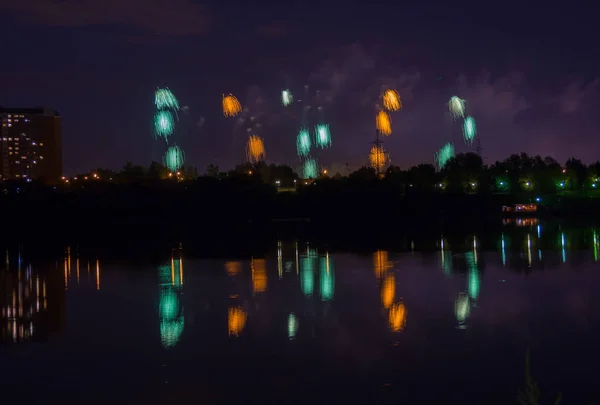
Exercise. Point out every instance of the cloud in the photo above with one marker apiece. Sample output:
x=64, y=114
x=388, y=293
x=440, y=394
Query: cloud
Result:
x=494, y=99
x=165, y=17
x=575, y=94
x=347, y=64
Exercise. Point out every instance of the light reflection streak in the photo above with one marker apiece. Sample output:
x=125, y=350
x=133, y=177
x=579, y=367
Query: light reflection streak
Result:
x=503, y=251
x=563, y=243
x=98, y=274
x=529, y=260
x=279, y=260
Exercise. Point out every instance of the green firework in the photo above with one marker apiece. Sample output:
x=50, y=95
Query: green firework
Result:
x=310, y=169
x=469, y=130
x=303, y=143
x=444, y=155
x=286, y=98
x=174, y=158
x=456, y=105
x=322, y=135
x=164, y=98
x=164, y=124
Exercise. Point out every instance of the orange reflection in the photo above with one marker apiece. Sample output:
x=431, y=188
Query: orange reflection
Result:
x=236, y=321
x=397, y=317
x=381, y=263
x=233, y=268
x=259, y=275
x=388, y=290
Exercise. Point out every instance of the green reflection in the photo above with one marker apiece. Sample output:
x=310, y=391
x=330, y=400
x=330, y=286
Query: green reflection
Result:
x=462, y=309
x=446, y=258
x=292, y=326
x=170, y=309
x=307, y=272
x=327, y=280
x=474, y=280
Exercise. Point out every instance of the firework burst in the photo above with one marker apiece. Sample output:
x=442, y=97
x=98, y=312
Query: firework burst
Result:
x=444, y=155
x=286, y=98
x=164, y=124
x=323, y=136
x=311, y=170
x=174, y=158
x=255, y=149
x=469, y=130
x=303, y=143
x=391, y=100
x=231, y=106
x=164, y=98
x=384, y=123
x=456, y=105
x=377, y=158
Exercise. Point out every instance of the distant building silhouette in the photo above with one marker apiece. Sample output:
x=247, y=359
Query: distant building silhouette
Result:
x=30, y=144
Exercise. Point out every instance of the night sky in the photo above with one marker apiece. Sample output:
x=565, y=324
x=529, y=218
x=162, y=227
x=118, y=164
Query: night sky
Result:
x=529, y=72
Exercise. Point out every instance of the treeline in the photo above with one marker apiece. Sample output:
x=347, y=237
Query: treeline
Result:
x=465, y=173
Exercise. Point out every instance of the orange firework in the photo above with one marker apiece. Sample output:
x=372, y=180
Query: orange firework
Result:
x=391, y=100
x=377, y=158
x=231, y=106
x=255, y=149
x=397, y=317
x=384, y=123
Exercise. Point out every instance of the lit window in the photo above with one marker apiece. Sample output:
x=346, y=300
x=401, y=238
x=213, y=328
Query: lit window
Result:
x=41, y=144
x=18, y=175
x=17, y=161
x=41, y=157
x=34, y=162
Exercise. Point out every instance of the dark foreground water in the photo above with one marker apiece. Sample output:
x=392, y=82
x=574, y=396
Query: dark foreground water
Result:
x=303, y=324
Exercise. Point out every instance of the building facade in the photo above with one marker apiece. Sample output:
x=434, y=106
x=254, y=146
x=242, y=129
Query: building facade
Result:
x=30, y=144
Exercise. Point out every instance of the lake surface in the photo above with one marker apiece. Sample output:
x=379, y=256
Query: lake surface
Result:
x=450, y=322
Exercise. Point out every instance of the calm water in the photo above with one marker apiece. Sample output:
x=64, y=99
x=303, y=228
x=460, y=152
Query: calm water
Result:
x=305, y=324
